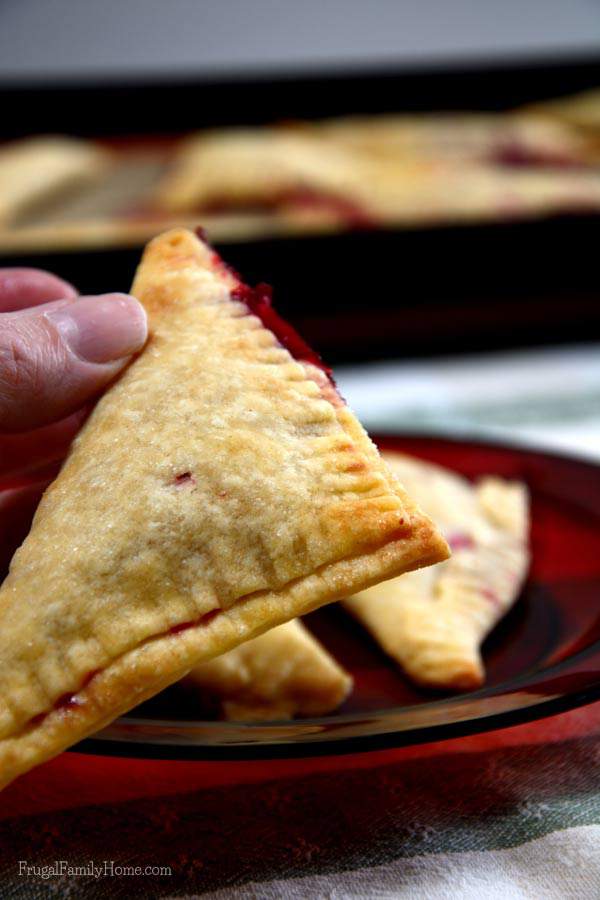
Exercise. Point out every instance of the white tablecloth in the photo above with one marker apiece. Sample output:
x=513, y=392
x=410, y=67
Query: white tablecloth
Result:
x=546, y=397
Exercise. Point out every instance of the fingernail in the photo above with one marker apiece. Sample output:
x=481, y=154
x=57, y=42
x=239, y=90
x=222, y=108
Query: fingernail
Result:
x=104, y=328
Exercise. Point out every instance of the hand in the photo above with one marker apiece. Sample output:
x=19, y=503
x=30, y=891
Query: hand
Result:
x=58, y=351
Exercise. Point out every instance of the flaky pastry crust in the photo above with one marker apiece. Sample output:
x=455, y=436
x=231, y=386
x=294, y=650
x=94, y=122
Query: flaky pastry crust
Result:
x=218, y=489
x=283, y=673
x=433, y=622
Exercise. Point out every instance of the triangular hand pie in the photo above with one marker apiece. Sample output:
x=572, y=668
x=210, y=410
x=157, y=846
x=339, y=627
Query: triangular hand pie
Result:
x=467, y=137
x=281, y=674
x=381, y=170
x=219, y=488
x=35, y=169
x=433, y=622
x=255, y=167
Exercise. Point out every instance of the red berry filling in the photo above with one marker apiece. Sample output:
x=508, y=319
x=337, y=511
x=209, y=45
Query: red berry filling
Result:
x=185, y=480
x=460, y=540
x=492, y=596
x=516, y=155
x=72, y=701
x=259, y=302
x=203, y=620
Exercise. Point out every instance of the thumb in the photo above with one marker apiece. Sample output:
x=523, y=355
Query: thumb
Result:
x=55, y=357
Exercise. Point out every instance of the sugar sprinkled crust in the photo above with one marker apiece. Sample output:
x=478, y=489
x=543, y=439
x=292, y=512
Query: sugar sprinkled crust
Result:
x=283, y=673
x=434, y=621
x=214, y=492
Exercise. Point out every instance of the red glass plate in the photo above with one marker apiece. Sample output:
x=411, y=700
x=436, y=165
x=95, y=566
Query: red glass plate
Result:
x=542, y=659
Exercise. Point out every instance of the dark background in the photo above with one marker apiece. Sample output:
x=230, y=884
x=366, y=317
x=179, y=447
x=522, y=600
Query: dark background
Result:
x=147, y=67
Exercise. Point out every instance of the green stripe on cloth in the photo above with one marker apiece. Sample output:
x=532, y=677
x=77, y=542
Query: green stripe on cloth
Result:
x=317, y=824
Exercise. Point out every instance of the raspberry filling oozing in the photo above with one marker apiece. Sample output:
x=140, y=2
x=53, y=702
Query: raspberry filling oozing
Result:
x=203, y=620
x=460, y=540
x=66, y=701
x=515, y=154
x=185, y=480
x=259, y=302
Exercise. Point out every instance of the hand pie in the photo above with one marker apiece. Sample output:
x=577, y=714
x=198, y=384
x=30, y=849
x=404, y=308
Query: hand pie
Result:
x=581, y=111
x=433, y=622
x=436, y=190
x=34, y=169
x=463, y=137
x=281, y=674
x=366, y=170
x=124, y=232
x=261, y=167
x=219, y=488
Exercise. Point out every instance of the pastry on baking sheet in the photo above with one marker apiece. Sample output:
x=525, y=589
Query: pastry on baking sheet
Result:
x=433, y=191
x=134, y=231
x=302, y=178
x=283, y=673
x=329, y=175
x=433, y=622
x=36, y=168
x=465, y=137
x=581, y=110
x=219, y=488
x=418, y=193
x=255, y=167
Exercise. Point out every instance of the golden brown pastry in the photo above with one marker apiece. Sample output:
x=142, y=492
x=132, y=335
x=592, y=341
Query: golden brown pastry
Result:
x=314, y=177
x=219, y=488
x=338, y=158
x=132, y=232
x=465, y=137
x=582, y=110
x=283, y=673
x=254, y=167
x=431, y=191
x=579, y=112
x=433, y=622
x=381, y=172
x=34, y=169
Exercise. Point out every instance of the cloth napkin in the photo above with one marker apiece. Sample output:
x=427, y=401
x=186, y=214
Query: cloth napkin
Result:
x=548, y=397
x=510, y=814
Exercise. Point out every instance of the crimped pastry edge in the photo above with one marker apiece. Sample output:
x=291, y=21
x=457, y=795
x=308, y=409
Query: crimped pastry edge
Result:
x=131, y=678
